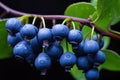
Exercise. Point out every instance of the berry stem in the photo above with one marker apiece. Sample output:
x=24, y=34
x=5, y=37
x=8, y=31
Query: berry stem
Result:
x=73, y=25
x=24, y=17
x=66, y=20
x=92, y=31
x=34, y=20
x=43, y=21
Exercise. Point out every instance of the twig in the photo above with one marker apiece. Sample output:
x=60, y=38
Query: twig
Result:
x=62, y=17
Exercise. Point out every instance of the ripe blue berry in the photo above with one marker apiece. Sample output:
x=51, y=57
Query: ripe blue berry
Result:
x=44, y=34
x=100, y=42
x=28, y=31
x=83, y=63
x=22, y=49
x=92, y=74
x=67, y=60
x=75, y=36
x=14, y=39
x=100, y=58
x=13, y=25
x=60, y=31
x=36, y=45
x=55, y=50
x=91, y=47
x=78, y=50
x=42, y=62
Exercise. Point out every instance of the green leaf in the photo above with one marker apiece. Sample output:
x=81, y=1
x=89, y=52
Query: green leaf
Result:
x=116, y=10
x=112, y=62
x=94, y=3
x=77, y=74
x=106, y=42
x=80, y=9
x=104, y=15
x=64, y=45
x=5, y=49
x=107, y=14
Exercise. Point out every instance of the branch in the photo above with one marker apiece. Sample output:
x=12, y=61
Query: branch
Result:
x=62, y=17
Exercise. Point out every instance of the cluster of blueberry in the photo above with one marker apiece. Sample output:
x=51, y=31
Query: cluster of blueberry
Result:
x=42, y=46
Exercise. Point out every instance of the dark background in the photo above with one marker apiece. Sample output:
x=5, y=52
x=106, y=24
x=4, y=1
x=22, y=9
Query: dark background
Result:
x=13, y=69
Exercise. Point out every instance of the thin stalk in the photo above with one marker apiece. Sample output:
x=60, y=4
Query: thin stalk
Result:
x=43, y=21
x=92, y=32
x=34, y=20
x=66, y=20
x=73, y=25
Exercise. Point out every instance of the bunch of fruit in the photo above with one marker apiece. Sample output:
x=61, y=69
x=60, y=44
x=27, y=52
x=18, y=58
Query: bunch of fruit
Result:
x=42, y=47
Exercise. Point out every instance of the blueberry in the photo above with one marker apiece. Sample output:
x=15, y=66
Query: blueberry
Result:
x=44, y=34
x=92, y=74
x=42, y=62
x=55, y=50
x=67, y=60
x=13, y=25
x=100, y=42
x=83, y=63
x=36, y=45
x=78, y=50
x=14, y=39
x=60, y=31
x=28, y=31
x=91, y=47
x=75, y=36
x=100, y=58
x=22, y=49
